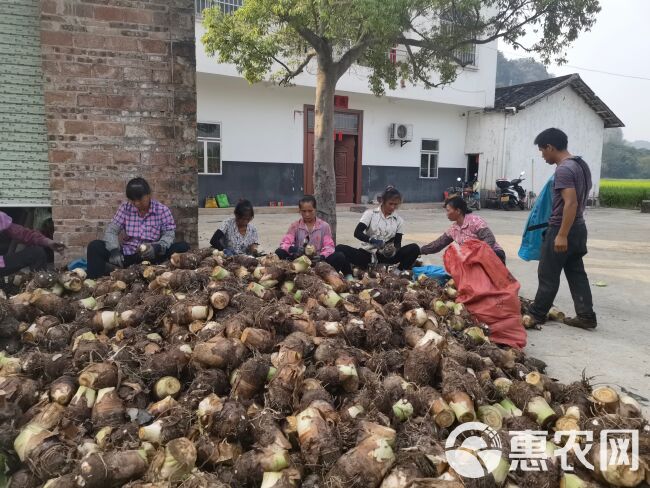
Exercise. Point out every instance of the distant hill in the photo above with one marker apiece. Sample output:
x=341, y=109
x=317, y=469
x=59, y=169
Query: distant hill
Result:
x=516, y=71
x=640, y=144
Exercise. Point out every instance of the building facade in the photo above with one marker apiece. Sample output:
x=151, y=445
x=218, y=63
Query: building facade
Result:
x=256, y=141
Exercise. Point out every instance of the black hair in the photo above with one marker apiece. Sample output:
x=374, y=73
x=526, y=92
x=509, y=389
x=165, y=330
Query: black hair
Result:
x=459, y=204
x=307, y=199
x=137, y=188
x=552, y=137
x=244, y=209
x=389, y=193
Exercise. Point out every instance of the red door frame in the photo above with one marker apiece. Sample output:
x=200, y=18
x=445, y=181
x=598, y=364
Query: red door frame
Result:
x=308, y=160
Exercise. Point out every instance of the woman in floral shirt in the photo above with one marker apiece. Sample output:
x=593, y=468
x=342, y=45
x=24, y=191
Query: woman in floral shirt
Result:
x=465, y=226
x=237, y=235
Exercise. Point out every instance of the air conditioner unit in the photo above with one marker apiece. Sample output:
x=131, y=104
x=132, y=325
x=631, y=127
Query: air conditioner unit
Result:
x=401, y=133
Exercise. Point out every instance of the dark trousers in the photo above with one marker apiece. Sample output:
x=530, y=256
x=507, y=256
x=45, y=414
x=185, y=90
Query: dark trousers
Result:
x=33, y=257
x=97, y=256
x=405, y=256
x=550, y=269
x=336, y=260
x=501, y=254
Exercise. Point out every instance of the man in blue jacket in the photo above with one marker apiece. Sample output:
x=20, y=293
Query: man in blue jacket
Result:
x=565, y=240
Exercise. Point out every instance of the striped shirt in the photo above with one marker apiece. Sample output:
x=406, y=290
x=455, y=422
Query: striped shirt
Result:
x=140, y=230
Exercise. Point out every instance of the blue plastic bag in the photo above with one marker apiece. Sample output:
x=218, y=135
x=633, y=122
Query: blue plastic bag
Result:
x=531, y=242
x=432, y=271
x=78, y=263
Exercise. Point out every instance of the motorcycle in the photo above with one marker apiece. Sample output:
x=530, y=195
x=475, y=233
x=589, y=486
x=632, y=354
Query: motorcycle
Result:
x=510, y=194
x=455, y=191
x=471, y=193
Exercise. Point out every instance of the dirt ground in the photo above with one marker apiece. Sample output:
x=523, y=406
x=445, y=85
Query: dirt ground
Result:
x=616, y=353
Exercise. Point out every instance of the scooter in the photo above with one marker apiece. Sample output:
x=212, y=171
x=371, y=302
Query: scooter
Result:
x=471, y=193
x=510, y=194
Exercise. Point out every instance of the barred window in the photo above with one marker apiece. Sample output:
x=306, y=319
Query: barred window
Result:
x=227, y=6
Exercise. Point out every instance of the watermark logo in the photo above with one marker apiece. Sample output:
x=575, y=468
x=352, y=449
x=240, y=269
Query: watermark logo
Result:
x=473, y=449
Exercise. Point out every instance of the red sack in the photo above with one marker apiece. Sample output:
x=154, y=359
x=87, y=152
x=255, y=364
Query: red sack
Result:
x=488, y=290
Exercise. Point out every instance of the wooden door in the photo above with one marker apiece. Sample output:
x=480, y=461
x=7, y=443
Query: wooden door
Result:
x=344, y=165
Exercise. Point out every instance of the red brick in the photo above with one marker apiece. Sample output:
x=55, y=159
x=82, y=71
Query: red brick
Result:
x=155, y=103
x=109, y=129
x=78, y=127
x=122, y=102
x=56, y=38
x=139, y=16
x=104, y=71
x=80, y=70
x=153, y=46
x=110, y=184
x=49, y=6
x=121, y=157
x=68, y=213
x=137, y=74
x=98, y=212
x=160, y=76
x=91, y=101
x=110, y=13
x=91, y=41
x=123, y=43
x=61, y=99
x=60, y=156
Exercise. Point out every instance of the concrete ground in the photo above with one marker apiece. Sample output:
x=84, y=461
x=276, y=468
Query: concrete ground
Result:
x=616, y=353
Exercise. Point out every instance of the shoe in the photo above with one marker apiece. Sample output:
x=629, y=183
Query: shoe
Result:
x=531, y=322
x=582, y=322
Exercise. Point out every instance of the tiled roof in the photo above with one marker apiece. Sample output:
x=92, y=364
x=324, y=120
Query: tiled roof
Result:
x=526, y=94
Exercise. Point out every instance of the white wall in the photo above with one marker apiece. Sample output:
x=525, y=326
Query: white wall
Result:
x=564, y=110
x=264, y=123
x=472, y=88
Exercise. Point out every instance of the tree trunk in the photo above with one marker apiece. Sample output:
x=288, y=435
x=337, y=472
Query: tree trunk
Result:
x=324, y=175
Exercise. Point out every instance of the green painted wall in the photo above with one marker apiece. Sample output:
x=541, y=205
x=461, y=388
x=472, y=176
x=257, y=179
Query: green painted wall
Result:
x=24, y=168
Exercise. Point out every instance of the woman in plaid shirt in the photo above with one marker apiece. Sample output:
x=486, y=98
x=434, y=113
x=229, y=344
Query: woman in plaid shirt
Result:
x=141, y=220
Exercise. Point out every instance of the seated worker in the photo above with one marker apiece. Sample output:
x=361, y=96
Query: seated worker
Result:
x=142, y=220
x=237, y=235
x=381, y=230
x=465, y=226
x=311, y=234
x=33, y=256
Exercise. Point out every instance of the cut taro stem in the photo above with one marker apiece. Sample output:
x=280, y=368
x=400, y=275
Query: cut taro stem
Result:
x=219, y=273
x=511, y=408
x=462, y=405
x=535, y=380
x=543, y=414
x=491, y=416
x=417, y=317
x=503, y=385
x=256, y=289
x=605, y=398
x=403, y=409
x=330, y=299
x=220, y=299
x=167, y=386
x=301, y=264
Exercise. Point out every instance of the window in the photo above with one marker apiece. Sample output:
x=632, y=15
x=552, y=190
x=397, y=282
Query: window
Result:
x=429, y=158
x=208, y=149
x=227, y=6
x=466, y=54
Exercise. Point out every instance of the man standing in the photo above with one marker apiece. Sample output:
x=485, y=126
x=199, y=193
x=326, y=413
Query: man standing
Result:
x=565, y=240
x=141, y=220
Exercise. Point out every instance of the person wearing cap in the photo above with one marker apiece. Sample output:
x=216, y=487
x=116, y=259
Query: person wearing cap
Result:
x=141, y=220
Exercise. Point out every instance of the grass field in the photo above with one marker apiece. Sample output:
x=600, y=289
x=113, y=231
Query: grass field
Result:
x=624, y=193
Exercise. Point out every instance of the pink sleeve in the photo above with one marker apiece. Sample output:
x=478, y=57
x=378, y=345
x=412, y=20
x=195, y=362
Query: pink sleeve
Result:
x=27, y=236
x=328, y=242
x=289, y=237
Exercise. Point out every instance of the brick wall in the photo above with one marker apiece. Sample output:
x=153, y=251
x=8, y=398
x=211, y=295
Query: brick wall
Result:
x=120, y=96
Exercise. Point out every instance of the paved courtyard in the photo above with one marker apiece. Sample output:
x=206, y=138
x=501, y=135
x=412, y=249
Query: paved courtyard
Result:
x=617, y=352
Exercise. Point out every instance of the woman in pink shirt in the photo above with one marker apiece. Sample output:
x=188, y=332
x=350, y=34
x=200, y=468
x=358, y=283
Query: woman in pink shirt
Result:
x=312, y=231
x=465, y=226
x=32, y=256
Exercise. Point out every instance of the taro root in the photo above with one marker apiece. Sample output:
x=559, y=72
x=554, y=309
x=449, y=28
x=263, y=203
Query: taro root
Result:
x=99, y=375
x=250, y=378
x=175, y=462
x=108, y=410
x=114, y=468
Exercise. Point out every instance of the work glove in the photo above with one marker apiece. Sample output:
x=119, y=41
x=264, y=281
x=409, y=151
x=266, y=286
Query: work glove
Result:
x=378, y=243
x=228, y=252
x=316, y=258
x=296, y=251
x=152, y=251
x=116, y=258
